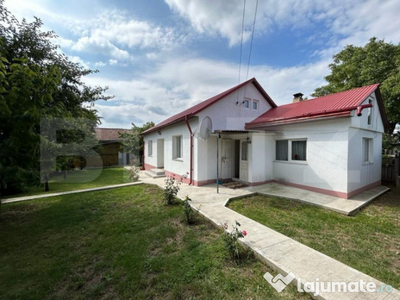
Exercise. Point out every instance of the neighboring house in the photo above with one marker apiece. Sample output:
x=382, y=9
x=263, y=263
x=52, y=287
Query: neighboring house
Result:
x=331, y=144
x=111, y=145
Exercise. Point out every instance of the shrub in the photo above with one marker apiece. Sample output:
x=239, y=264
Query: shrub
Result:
x=231, y=239
x=189, y=213
x=171, y=190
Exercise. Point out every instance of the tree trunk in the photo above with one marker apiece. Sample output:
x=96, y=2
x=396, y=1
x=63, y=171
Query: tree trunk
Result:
x=65, y=173
x=46, y=186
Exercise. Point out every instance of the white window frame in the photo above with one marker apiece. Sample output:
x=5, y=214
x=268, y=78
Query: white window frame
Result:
x=248, y=101
x=290, y=160
x=291, y=150
x=370, y=113
x=150, y=148
x=175, y=145
x=367, y=151
x=255, y=102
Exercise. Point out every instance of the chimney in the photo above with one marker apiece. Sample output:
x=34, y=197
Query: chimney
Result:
x=297, y=97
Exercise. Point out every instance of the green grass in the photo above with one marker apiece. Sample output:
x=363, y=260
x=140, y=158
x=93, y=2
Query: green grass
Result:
x=77, y=180
x=368, y=242
x=120, y=244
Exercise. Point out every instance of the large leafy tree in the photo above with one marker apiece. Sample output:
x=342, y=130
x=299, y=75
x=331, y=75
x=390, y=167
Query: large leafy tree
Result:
x=376, y=62
x=132, y=140
x=37, y=83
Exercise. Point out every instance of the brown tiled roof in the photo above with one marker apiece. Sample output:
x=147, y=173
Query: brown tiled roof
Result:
x=109, y=134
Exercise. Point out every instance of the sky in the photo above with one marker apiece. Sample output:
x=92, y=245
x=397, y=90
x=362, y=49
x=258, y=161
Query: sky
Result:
x=161, y=57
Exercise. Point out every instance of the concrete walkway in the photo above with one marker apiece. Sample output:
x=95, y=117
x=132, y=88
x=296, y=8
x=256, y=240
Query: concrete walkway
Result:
x=26, y=198
x=282, y=253
x=344, y=206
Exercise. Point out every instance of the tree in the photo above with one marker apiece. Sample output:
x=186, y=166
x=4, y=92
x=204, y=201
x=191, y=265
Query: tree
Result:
x=376, y=62
x=133, y=140
x=36, y=83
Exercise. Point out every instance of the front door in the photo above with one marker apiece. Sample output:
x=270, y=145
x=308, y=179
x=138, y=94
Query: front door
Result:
x=244, y=165
x=226, y=159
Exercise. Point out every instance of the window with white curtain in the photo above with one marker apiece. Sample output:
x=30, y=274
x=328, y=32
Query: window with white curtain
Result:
x=246, y=103
x=150, y=148
x=299, y=150
x=367, y=150
x=282, y=150
x=177, y=147
x=291, y=150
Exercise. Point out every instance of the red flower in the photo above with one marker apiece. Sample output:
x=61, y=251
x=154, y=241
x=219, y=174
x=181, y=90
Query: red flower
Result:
x=244, y=232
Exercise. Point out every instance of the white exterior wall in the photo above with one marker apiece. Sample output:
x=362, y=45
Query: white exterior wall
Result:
x=361, y=174
x=261, y=152
x=206, y=158
x=177, y=166
x=227, y=115
x=327, y=155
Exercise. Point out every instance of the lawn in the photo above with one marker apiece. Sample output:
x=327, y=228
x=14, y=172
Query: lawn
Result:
x=368, y=242
x=77, y=180
x=120, y=244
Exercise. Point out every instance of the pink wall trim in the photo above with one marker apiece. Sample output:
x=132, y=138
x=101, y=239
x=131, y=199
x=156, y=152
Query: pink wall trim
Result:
x=204, y=182
x=177, y=176
x=260, y=182
x=331, y=192
x=148, y=167
x=364, y=188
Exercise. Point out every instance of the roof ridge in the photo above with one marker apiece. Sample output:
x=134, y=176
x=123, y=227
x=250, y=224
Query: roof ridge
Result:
x=327, y=95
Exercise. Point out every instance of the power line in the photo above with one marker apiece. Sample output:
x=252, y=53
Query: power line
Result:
x=251, y=42
x=241, y=40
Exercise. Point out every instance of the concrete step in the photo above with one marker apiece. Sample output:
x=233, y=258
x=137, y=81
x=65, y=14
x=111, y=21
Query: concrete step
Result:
x=156, y=173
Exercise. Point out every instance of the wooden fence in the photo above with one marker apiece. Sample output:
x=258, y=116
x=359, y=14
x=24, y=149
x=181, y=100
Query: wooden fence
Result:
x=390, y=169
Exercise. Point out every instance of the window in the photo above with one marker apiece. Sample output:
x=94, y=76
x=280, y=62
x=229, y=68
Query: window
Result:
x=244, y=150
x=255, y=104
x=291, y=150
x=299, y=150
x=246, y=103
x=177, y=147
x=282, y=150
x=370, y=113
x=367, y=150
x=150, y=148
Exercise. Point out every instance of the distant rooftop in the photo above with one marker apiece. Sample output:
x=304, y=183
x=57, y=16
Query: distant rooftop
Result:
x=109, y=134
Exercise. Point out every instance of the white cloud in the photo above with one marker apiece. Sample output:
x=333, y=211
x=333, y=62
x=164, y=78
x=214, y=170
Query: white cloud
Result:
x=100, y=64
x=347, y=21
x=113, y=62
x=99, y=45
x=78, y=60
x=179, y=84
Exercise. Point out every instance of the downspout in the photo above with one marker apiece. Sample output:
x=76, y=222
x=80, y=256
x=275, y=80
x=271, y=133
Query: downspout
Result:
x=361, y=107
x=191, y=150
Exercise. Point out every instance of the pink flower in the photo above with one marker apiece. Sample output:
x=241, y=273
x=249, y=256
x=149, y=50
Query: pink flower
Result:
x=244, y=232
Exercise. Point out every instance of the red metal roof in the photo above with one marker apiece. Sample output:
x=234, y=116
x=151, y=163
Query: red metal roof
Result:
x=203, y=105
x=338, y=104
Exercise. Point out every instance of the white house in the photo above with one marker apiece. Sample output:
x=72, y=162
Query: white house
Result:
x=330, y=144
